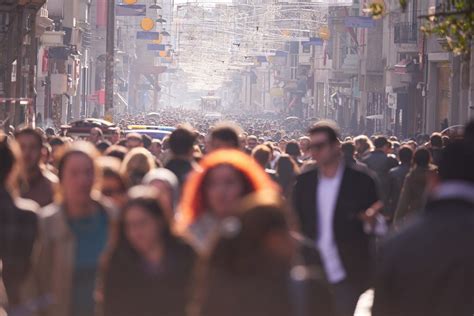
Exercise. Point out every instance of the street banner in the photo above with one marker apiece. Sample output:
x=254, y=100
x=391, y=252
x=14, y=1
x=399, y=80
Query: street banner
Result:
x=142, y=35
x=158, y=47
x=130, y=10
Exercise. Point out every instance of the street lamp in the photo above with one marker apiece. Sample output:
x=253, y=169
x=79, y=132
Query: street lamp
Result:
x=155, y=6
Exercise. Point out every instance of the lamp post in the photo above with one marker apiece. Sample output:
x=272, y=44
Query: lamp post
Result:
x=109, y=68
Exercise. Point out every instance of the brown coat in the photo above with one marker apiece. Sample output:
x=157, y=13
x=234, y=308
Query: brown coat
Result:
x=413, y=195
x=50, y=282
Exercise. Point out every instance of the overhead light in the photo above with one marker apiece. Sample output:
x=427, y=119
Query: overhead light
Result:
x=154, y=6
x=160, y=19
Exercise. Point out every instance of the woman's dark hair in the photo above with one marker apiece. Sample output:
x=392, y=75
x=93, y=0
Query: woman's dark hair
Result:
x=151, y=206
x=293, y=149
x=422, y=157
x=405, y=154
x=7, y=161
x=287, y=169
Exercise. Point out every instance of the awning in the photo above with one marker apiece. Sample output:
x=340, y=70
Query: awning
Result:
x=404, y=66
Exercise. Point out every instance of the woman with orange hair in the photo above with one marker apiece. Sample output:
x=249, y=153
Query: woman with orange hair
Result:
x=210, y=194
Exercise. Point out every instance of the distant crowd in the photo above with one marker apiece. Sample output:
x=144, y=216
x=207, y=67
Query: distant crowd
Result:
x=249, y=216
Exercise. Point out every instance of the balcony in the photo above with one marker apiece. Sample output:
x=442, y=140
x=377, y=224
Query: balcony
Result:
x=406, y=33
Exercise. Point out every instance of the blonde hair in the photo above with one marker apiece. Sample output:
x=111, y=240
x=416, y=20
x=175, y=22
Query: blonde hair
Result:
x=138, y=160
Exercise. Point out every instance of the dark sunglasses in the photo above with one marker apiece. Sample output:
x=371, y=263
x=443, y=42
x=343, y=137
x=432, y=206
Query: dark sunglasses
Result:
x=318, y=146
x=112, y=192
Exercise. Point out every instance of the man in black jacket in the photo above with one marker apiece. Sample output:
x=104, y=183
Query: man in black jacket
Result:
x=333, y=202
x=427, y=268
x=380, y=162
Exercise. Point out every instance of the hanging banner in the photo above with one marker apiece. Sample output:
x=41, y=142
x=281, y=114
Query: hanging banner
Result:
x=158, y=47
x=152, y=36
x=130, y=10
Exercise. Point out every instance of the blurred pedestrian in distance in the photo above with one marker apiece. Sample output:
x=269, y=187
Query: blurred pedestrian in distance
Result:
x=38, y=184
x=252, y=142
x=416, y=186
x=431, y=256
x=363, y=147
x=18, y=225
x=337, y=206
x=50, y=132
x=436, y=147
x=224, y=136
x=282, y=145
x=380, y=162
x=167, y=185
x=136, y=165
x=149, y=270
x=56, y=144
x=304, y=143
x=262, y=154
x=146, y=141
x=286, y=172
x=348, y=152
x=210, y=195
x=293, y=150
x=102, y=146
x=156, y=148
x=397, y=177
x=75, y=231
x=116, y=135
x=181, y=143
x=95, y=135
x=134, y=140
x=116, y=151
x=112, y=186
x=253, y=253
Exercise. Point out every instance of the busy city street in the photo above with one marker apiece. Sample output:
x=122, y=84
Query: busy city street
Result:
x=236, y=157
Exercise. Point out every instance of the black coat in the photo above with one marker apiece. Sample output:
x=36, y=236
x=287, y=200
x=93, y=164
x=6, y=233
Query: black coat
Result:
x=357, y=193
x=18, y=231
x=427, y=268
x=132, y=290
x=381, y=163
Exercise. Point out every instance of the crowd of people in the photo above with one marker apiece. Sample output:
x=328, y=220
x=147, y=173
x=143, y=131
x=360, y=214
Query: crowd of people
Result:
x=235, y=219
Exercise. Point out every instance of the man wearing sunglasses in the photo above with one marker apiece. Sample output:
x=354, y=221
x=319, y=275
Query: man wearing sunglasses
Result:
x=333, y=203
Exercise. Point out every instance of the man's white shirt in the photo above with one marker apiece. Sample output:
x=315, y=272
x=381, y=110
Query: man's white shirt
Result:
x=326, y=196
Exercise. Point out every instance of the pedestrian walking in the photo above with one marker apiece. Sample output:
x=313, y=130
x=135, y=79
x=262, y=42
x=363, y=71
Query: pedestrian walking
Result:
x=417, y=182
x=333, y=203
x=18, y=225
x=211, y=194
x=76, y=230
x=248, y=269
x=149, y=270
x=39, y=182
x=427, y=267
